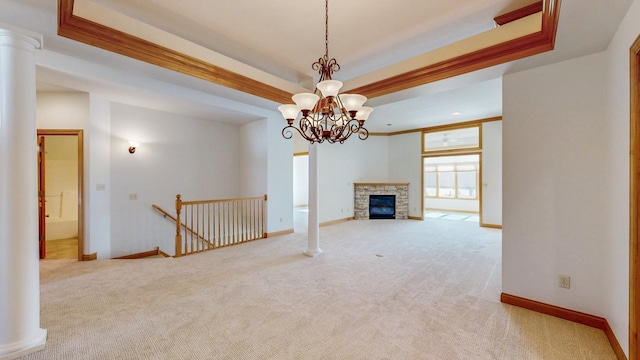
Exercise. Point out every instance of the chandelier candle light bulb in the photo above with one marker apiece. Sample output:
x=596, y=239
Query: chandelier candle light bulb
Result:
x=329, y=88
x=305, y=101
x=363, y=114
x=289, y=112
x=352, y=103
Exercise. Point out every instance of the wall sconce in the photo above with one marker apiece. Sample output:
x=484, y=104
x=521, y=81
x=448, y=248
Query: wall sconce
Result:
x=132, y=146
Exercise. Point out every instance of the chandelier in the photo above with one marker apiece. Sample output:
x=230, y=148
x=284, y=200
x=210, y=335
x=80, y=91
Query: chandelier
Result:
x=326, y=115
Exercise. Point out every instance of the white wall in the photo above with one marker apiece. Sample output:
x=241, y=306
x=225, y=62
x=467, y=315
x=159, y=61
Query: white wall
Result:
x=300, y=145
x=267, y=168
x=300, y=180
x=405, y=165
x=616, y=237
x=554, y=183
x=491, y=181
x=98, y=167
x=279, y=177
x=578, y=113
x=62, y=110
x=196, y=158
x=340, y=165
x=253, y=155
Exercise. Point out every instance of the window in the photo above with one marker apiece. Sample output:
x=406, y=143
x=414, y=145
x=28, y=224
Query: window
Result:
x=451, y=140
x=451, y=181
x=446, y=184
x=431, y=183
x=467, y=181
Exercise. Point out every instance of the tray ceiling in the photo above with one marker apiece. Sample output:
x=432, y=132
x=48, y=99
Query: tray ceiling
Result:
x=274, y=43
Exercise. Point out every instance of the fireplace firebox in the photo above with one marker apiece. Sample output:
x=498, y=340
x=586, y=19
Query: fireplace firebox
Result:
x=382, y=206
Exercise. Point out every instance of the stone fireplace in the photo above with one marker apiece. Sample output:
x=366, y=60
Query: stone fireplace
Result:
x=362, y=191
x=382, y=206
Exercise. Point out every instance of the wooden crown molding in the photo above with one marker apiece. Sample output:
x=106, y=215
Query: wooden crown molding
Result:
x=461, y=125
x=518, y=13
x=94, y=34
x=441, y=127
x=511, y=50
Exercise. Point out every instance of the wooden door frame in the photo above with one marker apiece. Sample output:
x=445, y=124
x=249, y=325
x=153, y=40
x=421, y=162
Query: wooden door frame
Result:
x=42, y=209
x=634, y=192
x=453, y=154
x=79, y=134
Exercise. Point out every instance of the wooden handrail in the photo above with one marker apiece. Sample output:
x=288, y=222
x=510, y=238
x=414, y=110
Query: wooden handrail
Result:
x=166, y=214
x=218, y=223
x=200, y=202
x=163, y=211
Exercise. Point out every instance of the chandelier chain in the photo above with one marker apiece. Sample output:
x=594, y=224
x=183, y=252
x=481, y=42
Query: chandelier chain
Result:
x=326, y=29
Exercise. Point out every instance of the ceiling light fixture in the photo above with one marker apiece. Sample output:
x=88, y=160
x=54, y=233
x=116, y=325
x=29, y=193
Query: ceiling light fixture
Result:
x=446, y=140
x=326, y=115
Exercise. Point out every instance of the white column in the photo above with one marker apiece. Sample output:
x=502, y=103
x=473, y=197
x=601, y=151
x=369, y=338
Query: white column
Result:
x=314, y=224
x=20, y=331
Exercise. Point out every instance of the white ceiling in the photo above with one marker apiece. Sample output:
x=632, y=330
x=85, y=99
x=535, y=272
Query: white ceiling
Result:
x=283, y=38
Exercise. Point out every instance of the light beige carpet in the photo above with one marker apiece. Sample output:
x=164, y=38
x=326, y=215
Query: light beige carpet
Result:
x=386, y=289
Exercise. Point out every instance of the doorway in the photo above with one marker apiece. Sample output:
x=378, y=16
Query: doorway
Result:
x=451, y=186
x=60, y=185
x=300, y=191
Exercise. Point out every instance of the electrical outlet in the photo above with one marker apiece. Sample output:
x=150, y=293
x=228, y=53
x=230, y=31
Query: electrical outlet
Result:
x=133, y=196
x=564, y=281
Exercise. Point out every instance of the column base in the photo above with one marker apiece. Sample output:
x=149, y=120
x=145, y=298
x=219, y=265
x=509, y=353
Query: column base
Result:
x=22, y=348
x=312, y=253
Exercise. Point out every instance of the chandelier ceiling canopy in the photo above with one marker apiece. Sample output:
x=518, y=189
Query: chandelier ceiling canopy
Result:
x=327, y=115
